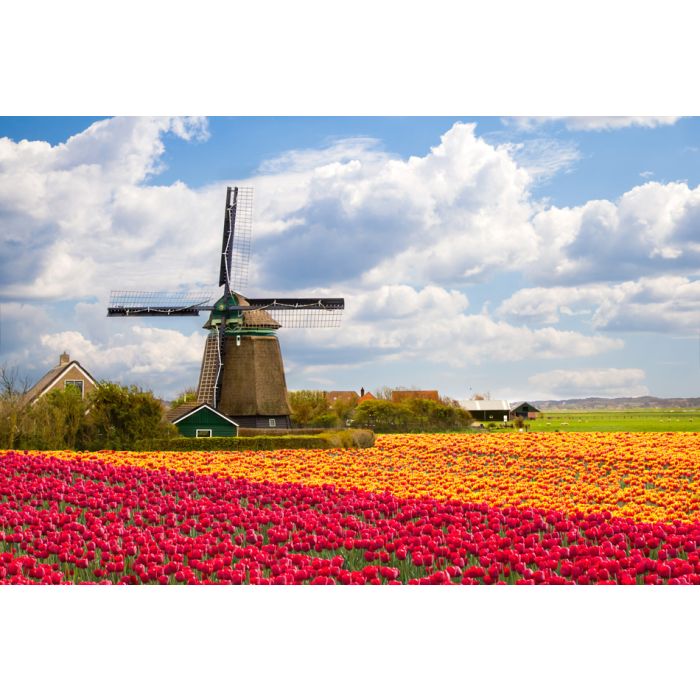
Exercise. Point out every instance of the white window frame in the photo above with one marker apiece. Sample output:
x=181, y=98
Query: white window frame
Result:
x=203, y=430
x=272, y=422
x=74, y=382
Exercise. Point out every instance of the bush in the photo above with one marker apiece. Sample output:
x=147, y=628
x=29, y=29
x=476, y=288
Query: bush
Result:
x=252, y=432
x=322, y=441
x=54, y=421
x=412, y=415
x=325, y=420
x=120, y=416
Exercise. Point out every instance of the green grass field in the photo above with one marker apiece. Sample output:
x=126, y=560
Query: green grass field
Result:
x=663, y=420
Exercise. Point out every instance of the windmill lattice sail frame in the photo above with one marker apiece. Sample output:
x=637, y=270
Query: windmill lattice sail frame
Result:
x=288, y=313
x=238, y=227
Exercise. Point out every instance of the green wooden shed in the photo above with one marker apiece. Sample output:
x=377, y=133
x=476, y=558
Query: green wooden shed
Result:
x=201, y=420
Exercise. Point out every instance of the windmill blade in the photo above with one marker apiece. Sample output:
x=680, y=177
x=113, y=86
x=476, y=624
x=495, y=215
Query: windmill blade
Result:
x=301, y=312
x=235, y=245
x=132, y=303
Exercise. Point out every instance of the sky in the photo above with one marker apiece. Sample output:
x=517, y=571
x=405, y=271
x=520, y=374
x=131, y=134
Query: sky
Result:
x=527, y=258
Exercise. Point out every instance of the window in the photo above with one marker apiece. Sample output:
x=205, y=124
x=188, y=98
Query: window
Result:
x=78, y=383
x=203, y=432
x=273, y=423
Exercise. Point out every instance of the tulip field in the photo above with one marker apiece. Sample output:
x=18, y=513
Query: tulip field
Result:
x=569, y=508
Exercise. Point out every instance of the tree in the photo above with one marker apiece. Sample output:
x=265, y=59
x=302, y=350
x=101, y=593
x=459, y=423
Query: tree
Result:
x=55, y=420
x=119, y=416
x=382, y=416
x=412, y=415
x=343, y=410
x=13, y=407
x=383, y=393
x=307, y=406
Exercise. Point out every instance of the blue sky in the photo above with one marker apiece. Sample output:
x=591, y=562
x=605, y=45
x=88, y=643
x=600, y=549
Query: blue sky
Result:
x=528, y=258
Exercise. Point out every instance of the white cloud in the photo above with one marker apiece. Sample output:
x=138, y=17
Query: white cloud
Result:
x=584, y=383
x=79, y=217
x=431, y=325
x=544, y=158
x=651, y=229
x=651, y=304
x=450, y=215
x=155, y=357
x=660, y=305
x=546, y=304
x=591, y=123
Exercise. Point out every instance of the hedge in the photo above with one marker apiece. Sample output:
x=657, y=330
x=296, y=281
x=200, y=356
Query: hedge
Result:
x=254, y=432
x=322, y=441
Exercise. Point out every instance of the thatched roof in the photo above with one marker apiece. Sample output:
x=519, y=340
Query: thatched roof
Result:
x=253, y=382
x=257, y=318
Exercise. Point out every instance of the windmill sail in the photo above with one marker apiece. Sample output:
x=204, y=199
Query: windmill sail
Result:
x=133, y=303
x=302, y=312
x=235, y=245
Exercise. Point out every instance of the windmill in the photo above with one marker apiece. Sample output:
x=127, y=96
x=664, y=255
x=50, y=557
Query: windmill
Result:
x=242, y=374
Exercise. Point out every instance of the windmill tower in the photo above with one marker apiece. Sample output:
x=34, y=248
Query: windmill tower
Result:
x=242, y=373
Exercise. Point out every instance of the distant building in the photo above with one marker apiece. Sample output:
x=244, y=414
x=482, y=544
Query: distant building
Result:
x=487, y=409
x=367, y=396
x=349, y=396
x=66, y=373
x=404, y=395
x=524, y=410
x=200, y=420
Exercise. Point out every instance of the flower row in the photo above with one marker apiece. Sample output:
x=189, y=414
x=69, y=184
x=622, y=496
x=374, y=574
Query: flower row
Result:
x=646, y=476
x=87, y=520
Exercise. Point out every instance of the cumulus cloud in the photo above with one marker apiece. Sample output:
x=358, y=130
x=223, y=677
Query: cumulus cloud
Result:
x=660, y=305
x=151, y=356
x=651, y=304
x=399, y=238
x=431, y=325
x=651, y=229
x=79, y=217
x=584, y=383
x=448, y=216
x=591, y=123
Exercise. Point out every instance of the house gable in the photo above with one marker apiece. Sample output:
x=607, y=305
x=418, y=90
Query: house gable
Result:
x=56, y=377
x=200, y=418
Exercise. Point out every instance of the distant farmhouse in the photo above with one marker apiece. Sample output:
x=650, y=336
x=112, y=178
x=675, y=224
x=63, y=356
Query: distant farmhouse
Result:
x=397, y=395
x=347, y=396
x=487, y=409
x=524, y=410
x=66, y=373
